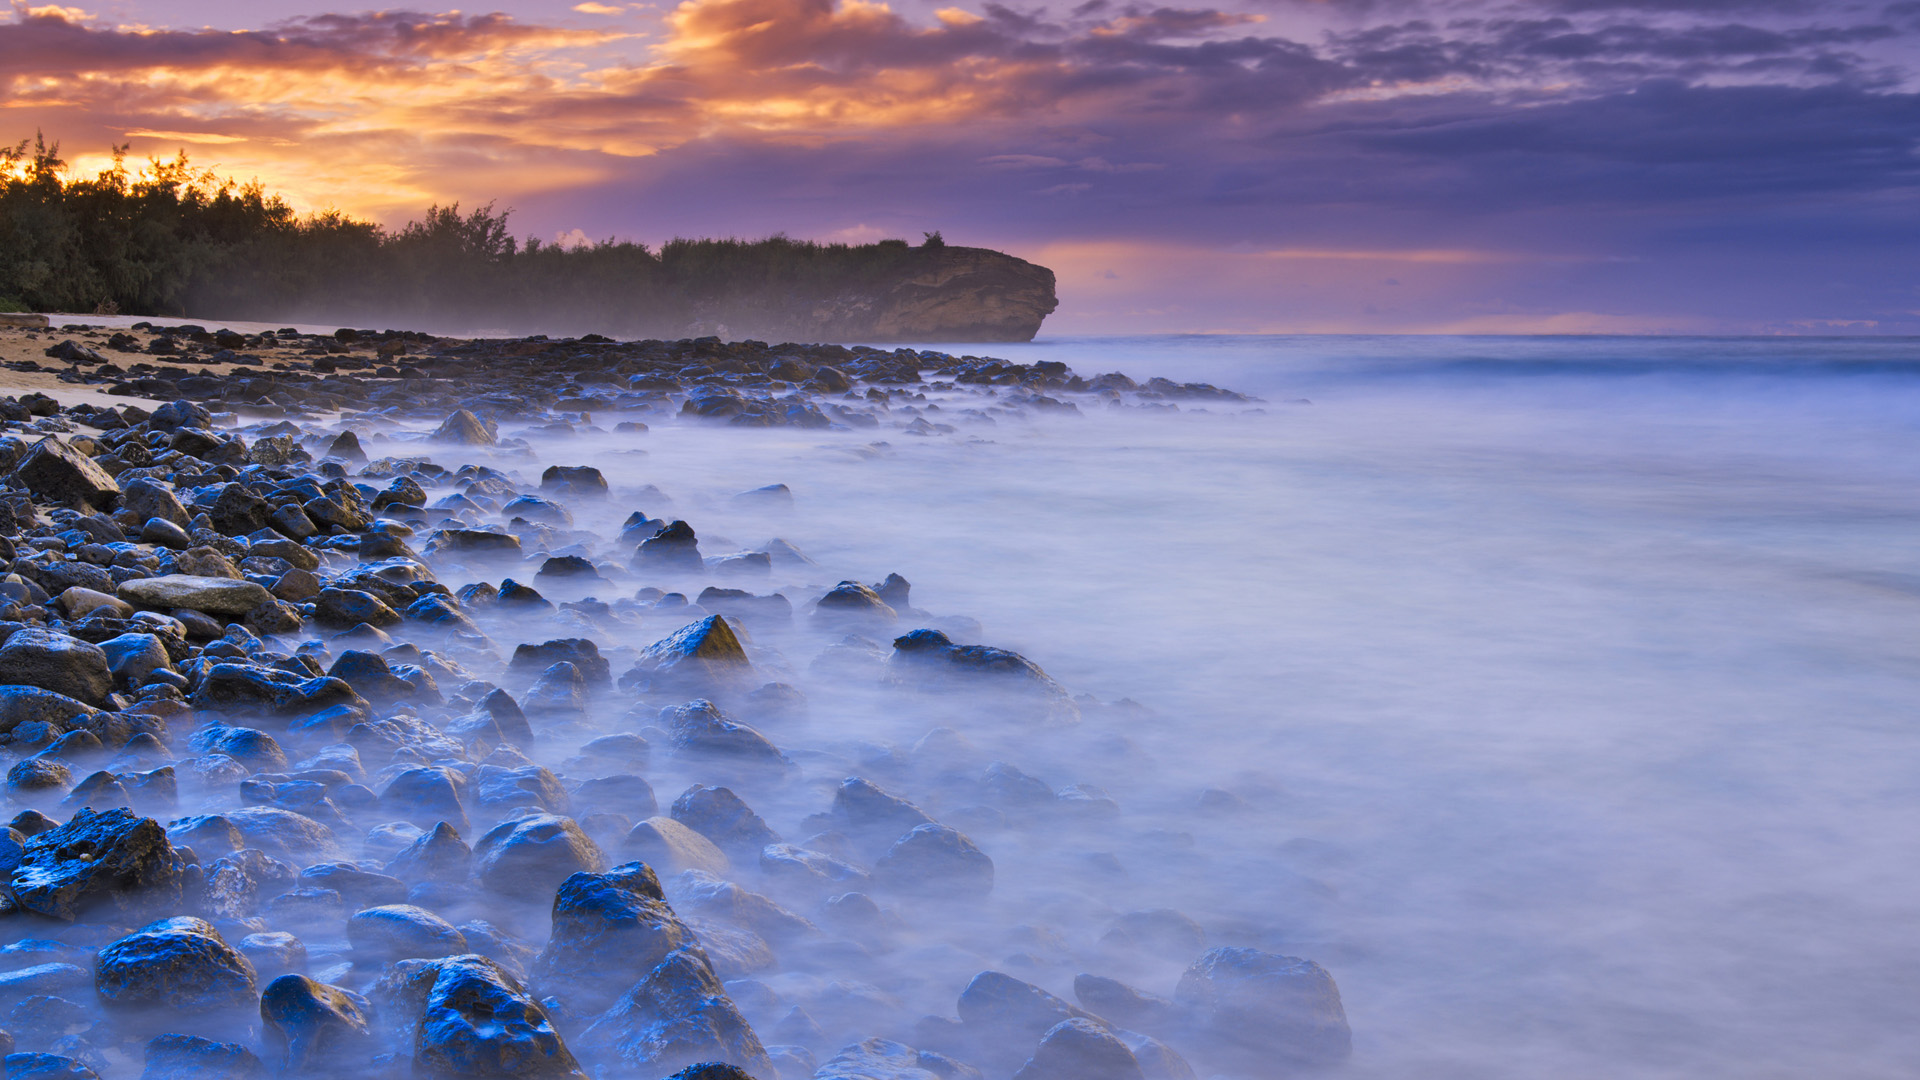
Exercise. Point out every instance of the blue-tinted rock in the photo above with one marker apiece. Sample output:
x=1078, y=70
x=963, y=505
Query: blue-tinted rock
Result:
x=436, y=855
x=179, y=963
x=46, y=1067
x=673, y=550
x=316, y=1027
x=426, y=796
x=936, y=860
x=1080, y=1049
x=677, y=1016
x=478, y=1021
x=700, y=730
x=190, y=1057
x=929, y=660
x=605, y=928
x=50, y=660
x=883, y=1059
x=528, y=857
x=703, y=657
x=1256, y=1006
x=580, y=652
x=111, y=861
x=402, y=931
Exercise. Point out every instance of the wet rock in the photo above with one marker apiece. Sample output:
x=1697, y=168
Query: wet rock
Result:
x=274, y=953
x=851, y=603
x=346, y=447
x=465, y=429
x=677, y=1016
x=175, y=415
x=698, y=893
x=673, y=550
x=928, y=660
x=56, y=472
x=722, y=817
x=672, y=847
x=344, y=608
x=50, y=660
x=606, y=926
x=214, y=595
x=180, y=964
x=246, y=686
x=623, y=793
x=46, y=1067
x=699, y=729
x=316, y=1027
x=33, y=776
x=1257, y=1007
x=437, y=855
x=1124, y=1005
x=190, y=1057
x=701, y=657
x=111, y=861
x=882, y=1059
x=808, y=870
x=866, y=810
x=427, y=795
x=526, y=858
x=132, y=658
x=580, y=652
x=573, y=480
x=936, y=860
x=284, y=834
x=478, y=1021
x=560, y=689
x=401, y=931
x=496, y=719
x=1080, y=1049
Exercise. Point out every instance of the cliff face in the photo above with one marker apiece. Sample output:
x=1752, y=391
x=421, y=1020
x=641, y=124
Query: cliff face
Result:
x=945, y=294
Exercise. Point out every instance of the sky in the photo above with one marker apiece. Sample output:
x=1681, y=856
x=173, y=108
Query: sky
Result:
x=1577, y=166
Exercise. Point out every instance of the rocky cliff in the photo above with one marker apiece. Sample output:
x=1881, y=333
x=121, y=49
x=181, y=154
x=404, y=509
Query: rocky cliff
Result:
x=933, y=294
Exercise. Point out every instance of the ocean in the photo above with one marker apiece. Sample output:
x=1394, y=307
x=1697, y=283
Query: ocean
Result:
x=1566, y=686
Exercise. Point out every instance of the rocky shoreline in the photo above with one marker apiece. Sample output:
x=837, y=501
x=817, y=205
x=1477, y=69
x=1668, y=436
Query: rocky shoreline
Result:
x=353, y=728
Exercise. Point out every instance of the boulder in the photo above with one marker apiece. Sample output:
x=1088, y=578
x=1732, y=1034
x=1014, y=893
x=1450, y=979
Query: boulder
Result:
x=527, y=857
x=478, y=1021
x=190, y=1057
x=580, y=652
x=672, y=847
x=606, y=926
x=1080, y=1049
x=573, y=480
x=465, y=429
x=1258, y=1007
x=402, y=931
x=673, y=550
x=1002, y=1011
x=936, y=860
x=435, y=855
x=883, y=1059
x=316, y=1027
x=929, y=660
x=46, y=1067
x=699, y=729
x=703, y=657
x=56, y=472
x=724, y=818
x=55, y=661
x=341, y=609
x=851, y=603
x=180, y=964
x=676, y=1016
x=213, y=595
x=110, y=861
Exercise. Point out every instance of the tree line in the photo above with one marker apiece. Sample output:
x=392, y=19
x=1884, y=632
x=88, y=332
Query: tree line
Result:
x=175, y=241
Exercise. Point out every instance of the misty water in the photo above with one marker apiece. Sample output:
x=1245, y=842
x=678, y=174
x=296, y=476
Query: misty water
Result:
x=1568, y=684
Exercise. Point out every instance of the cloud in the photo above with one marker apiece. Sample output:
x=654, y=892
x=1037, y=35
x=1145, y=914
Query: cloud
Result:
x=1583, y=129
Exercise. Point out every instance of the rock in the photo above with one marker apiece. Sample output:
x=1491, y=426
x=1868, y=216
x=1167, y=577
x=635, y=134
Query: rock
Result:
x=700, y=730
x=717, y=1070
x=165, y=534
x=580, y=652
x=30, y=776
x=78, y=602
x=496, y=719
x=54, y=661
x=851, y=603
x=700, y=893
x=867, y=811
x=237, y=511
x=146, y=498
x=527, y=857
x=703, y=657
x=317, y=1027
x=402, y=931
x=560, y=690
x=1125, y=1005
x=245, y=686
x=346, y=447
x=427, y=795
x=722, y=817
x=109, y=861
x=928, y=660
x=436, y=855
x=1256, y=1006
x=274, y=954
x=671, y=846
x=343, y=608
x=466, y=429
x=274, y=617
x=175, y=415
x=46, y=1067
x=936, y=860
x=478, y=1021
x=1080, y=1049
x=32, y=705
x=1010, y=1014
x=606, y=926
x=190, y=1057
x=131, y=658
x=58, y=473
x=284, y=834
x=677, y=1016
x=213, y=595
x=882, y=1059
x=673, y=550
x=573, y=480
x=180, y=964
x=623, y=793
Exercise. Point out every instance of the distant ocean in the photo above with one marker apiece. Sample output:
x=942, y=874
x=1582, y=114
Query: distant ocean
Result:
x=1577, y=679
